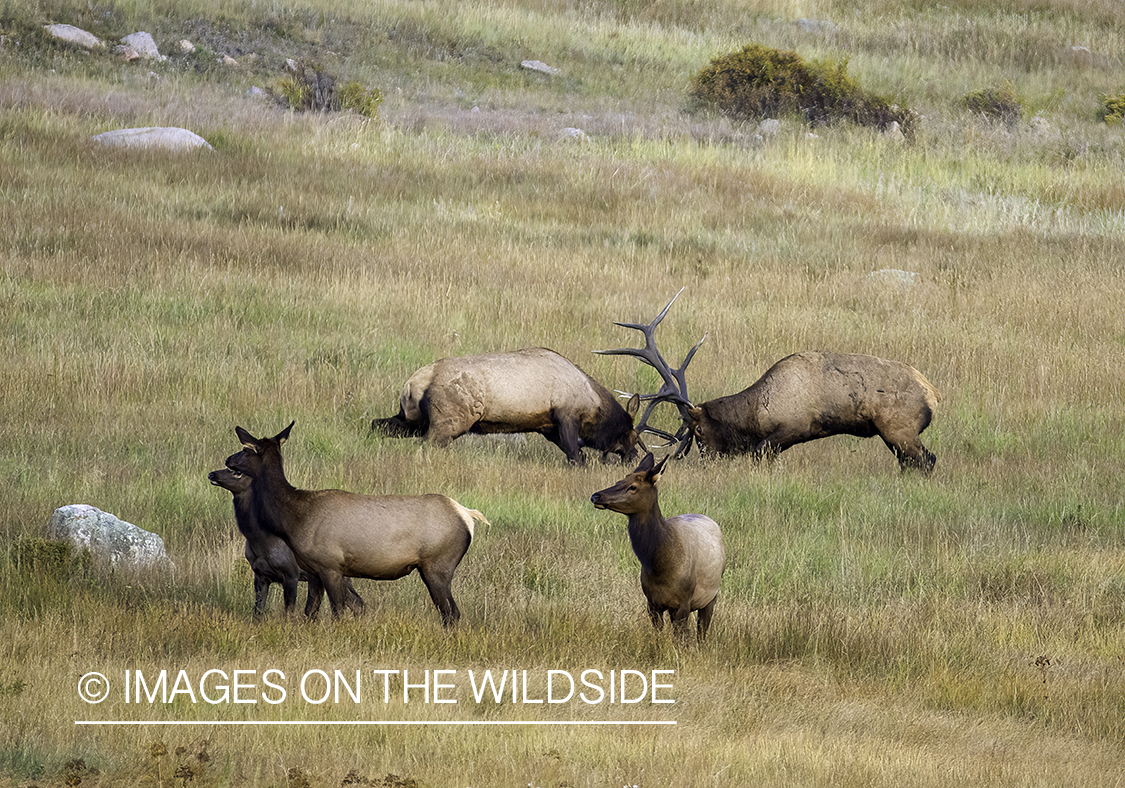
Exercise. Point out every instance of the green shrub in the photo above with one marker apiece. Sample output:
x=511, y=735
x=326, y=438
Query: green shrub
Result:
x=356, y=97
x=1112, y=109
x=759, y=82
x=1000, y=104
x=310, y=88
x=307, y=88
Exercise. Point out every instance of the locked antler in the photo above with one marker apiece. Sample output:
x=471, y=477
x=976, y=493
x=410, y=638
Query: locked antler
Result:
x=674, y=387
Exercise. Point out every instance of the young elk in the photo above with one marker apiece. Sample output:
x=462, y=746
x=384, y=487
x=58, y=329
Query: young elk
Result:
x=335, y=534
x=269, y=556
x=682, y=557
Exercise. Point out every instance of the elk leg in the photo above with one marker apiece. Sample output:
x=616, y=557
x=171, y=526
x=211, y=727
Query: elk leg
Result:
x=703, y=619
x=261, y=593
x=335, y=584
x=289, y=593
x=438, y=584
x=910, y=452
x=680, y=617
x=565, y=436
x=315, y=596
x=656, y=615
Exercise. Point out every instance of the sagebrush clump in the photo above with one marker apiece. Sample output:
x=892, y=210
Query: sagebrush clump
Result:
x=1112, y=109
x=310, y=88
x=759, y=82
x=999, y=104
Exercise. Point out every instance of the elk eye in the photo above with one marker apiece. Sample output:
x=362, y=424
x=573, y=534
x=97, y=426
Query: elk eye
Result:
x=632, y=488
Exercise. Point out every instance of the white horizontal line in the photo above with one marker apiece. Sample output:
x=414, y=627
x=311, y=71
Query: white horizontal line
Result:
x=374, y=722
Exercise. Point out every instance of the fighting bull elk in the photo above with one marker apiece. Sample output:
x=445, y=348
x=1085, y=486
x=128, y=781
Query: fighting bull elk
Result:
x=336, y=534
x=528, y=390
x=269, y=556
x=682, y=557
x=801, y=398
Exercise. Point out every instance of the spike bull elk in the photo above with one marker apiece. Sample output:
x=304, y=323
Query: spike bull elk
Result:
x=682, y=557
x=335, y=534
x=528, y=390
x=801, y=398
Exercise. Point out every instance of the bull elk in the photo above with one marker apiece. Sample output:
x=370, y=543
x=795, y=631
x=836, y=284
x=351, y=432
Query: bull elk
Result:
x=801, y=398
x=682, y=558
x=336, y=534
x=528, y=390
x=269, y=556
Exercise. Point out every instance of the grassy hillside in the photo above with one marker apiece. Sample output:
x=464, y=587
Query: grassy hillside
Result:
x=873, y=629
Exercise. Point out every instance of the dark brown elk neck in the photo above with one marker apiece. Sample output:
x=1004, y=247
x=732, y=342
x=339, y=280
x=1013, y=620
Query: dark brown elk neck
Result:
x=647, y=534
x=275, y=499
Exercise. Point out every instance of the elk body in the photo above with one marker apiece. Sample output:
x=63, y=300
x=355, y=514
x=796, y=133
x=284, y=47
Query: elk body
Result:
x=801, y=398
x=336, y=534
x=813, y=395
x=528, y=390
x=269, y=556
x=681, y=557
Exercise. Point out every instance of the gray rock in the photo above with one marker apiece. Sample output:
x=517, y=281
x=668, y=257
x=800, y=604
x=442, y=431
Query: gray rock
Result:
x=112, y=542
x=74, y=35
x=572, y=133
x=141, y=44
x=769, y=127
x=167, y=138
x=537, y=65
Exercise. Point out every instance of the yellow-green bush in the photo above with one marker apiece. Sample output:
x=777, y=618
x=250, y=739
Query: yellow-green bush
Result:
x=759, y=82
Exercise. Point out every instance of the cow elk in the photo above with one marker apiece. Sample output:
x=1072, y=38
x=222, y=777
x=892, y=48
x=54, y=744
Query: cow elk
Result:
x=269, y=556
x=336, y=534
x=682, y=558
x=528, y=390
x=801, y=398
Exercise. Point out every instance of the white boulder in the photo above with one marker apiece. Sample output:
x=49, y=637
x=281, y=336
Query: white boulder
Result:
x=112, y=542
x=166, y=138
x=74, y=35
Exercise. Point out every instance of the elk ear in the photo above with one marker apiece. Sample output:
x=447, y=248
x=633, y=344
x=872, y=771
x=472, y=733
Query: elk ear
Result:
x=695, y=414
x=246, y=439
x=646, y=464
x=283, y=436
x=655, y=474
x=633, y=406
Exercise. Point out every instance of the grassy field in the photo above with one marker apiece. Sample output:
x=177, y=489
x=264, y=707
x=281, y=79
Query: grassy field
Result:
x=874, y=629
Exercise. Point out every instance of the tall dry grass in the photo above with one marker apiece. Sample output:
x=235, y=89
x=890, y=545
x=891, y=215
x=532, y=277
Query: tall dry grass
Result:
x=873, y=628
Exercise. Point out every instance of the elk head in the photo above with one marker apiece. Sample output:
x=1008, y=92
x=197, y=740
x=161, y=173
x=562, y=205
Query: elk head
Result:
x=674, y=385
x=249, y=461
x=636, y=493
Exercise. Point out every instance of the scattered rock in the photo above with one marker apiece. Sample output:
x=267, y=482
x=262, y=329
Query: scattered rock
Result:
x=894, y=132
x=187, y=47
x=166, y=138
x=140, y=45
x=227, y=60
x=572, y=133
x=112, y=542
x=537, y=65
x=74, y=35
x=769, y=127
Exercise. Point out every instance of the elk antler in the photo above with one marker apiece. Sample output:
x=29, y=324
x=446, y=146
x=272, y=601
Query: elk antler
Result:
x=674, y=387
